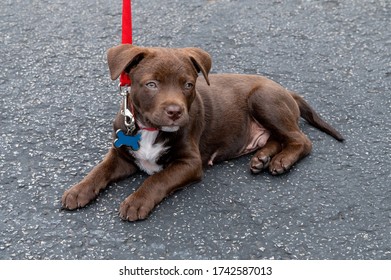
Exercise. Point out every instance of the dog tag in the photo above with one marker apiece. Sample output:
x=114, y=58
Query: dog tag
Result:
x=127, y=140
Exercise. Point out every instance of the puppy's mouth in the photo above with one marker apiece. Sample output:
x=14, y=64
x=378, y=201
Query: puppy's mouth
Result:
x=170, y=128
x=166, y=127
x=162, y=118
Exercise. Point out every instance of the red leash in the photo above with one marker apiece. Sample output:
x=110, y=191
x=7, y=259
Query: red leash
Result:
x=126, y=34
x=125, y=82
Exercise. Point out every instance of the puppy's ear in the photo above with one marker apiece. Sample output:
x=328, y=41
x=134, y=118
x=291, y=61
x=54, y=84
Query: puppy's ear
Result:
x=201, y=61
x=123, y=58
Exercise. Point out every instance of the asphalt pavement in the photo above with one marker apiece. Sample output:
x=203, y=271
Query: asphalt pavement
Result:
x=57, y=106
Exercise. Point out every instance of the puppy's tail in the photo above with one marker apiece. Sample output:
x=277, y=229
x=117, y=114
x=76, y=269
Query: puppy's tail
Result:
x=309, y=114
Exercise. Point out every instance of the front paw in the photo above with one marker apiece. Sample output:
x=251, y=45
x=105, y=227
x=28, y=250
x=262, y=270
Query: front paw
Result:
x=136, y=207
x=78, y=196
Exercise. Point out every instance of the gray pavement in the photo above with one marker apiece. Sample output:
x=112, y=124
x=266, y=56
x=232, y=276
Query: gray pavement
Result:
x=57, y=105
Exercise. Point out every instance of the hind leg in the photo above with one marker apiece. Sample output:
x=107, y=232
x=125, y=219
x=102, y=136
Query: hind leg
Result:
x=276, y=110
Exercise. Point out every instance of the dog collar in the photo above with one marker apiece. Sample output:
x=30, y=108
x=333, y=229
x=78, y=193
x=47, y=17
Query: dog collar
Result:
x=132, y=141
x=143, y=127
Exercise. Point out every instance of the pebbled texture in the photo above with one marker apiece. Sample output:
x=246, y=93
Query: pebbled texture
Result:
x=57, y=105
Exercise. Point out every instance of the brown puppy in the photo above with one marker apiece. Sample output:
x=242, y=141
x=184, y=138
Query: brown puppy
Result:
x=187, y=123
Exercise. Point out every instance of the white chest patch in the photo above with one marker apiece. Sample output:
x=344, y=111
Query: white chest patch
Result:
x=149, y=152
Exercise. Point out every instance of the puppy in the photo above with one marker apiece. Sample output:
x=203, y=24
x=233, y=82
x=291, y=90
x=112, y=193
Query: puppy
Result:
x=185, y=123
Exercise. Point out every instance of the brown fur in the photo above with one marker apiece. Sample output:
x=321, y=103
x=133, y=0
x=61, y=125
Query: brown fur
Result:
x=220, y=117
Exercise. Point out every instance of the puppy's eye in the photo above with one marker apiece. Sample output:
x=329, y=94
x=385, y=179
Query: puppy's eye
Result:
x=189, y=86
x=151, y=85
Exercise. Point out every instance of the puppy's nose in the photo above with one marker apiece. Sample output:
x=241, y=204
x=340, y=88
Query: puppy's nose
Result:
x=174, y=112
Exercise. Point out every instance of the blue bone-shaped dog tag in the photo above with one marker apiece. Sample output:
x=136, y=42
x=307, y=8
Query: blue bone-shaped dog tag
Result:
x=127, y=140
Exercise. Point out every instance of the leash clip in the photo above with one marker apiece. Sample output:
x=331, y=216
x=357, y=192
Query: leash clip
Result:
x=128, y=116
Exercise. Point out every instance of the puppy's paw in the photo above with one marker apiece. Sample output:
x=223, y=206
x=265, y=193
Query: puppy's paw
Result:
x=259, y=163
x=78, y=196
x=280, y=164
x=135, y=207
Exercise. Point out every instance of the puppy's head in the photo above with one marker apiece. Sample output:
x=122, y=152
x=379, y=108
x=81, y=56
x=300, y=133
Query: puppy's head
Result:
x=163, y=81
